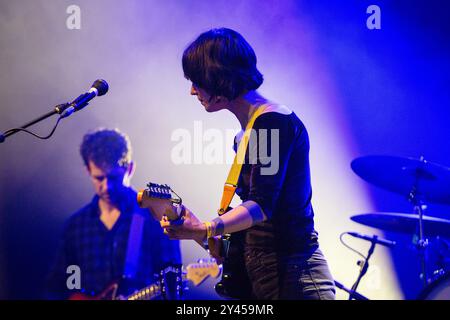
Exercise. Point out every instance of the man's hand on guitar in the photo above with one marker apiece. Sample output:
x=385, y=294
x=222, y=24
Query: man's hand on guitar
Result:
x=191, y=228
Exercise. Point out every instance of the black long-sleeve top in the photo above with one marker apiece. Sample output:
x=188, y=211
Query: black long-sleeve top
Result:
x=278, y=179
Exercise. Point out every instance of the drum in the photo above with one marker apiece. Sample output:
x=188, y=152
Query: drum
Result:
x=438, y=289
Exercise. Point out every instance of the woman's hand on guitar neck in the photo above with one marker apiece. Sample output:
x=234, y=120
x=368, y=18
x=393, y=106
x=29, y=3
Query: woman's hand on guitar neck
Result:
x=191, y=228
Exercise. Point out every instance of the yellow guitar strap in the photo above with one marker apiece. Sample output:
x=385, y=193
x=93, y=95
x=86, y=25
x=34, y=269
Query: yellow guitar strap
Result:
x=230, y=186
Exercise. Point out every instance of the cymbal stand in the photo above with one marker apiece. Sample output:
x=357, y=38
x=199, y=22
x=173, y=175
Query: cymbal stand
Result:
x=422, y=242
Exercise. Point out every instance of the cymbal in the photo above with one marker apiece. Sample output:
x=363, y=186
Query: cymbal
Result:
x=404, y=223
x=430, y=181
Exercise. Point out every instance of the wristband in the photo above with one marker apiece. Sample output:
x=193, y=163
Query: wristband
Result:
x=209, y=233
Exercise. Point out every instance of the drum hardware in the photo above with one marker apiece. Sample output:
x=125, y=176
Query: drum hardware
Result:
x=443, y=252
x=405, y=223
x=422, y=242
x=429, y=182
x=437, y=290
x=419, y=181
x=439, y=282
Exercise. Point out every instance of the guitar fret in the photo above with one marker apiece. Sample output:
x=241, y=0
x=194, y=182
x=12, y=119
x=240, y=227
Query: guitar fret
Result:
x=147, y=293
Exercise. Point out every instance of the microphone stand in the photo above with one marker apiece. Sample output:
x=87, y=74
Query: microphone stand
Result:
x=353, y=294
x=59, y=109
x=364, y=265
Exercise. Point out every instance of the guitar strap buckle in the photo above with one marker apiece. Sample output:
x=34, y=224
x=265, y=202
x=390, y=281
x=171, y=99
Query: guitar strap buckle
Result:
x=228, y=193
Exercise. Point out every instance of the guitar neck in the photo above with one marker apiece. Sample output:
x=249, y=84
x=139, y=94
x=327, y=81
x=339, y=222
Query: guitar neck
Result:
x=147, y=293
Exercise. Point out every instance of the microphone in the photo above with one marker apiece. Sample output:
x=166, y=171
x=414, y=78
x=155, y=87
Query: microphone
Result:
x=98, y=88
x=374, y=238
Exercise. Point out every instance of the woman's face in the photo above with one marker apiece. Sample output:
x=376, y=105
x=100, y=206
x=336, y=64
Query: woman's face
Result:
x=211, y=104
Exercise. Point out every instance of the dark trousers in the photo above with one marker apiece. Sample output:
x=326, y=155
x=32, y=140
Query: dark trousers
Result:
x=289, y=276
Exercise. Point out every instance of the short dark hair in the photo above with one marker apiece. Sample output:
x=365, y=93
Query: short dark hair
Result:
x=223, y=63
x=106, y=148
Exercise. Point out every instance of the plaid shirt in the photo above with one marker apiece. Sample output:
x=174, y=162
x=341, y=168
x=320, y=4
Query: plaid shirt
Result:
x=101, y=253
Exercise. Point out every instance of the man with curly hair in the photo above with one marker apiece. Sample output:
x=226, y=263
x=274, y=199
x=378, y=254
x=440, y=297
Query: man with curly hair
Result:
x=97, y=240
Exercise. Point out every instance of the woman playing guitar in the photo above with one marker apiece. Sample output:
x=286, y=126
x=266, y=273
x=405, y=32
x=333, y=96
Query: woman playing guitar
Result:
x=281, y=253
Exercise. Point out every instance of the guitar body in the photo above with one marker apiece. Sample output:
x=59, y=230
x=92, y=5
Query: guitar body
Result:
x=235, y=283
x=128, y=289
x=109, y=293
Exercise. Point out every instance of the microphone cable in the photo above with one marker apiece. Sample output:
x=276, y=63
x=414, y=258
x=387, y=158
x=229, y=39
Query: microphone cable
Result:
x=348, y=247
x=13, y=130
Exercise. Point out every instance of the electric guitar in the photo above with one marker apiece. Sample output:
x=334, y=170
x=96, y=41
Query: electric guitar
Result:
x=197, y=273
x=162, y=200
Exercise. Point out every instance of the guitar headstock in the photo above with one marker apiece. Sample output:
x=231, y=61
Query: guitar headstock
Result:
x=161, y=200
x=162, y=191
x=195, y=272
x=199, y=272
